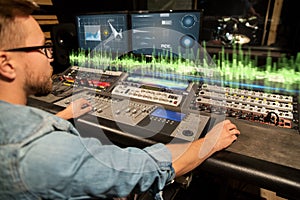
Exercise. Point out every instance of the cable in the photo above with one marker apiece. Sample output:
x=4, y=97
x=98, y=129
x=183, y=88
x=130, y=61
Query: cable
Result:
x=269, y=118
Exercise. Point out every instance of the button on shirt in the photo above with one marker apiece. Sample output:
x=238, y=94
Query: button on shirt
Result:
x=43, y=156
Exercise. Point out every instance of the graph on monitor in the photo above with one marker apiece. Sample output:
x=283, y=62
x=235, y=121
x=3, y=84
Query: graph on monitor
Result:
x=103, y=31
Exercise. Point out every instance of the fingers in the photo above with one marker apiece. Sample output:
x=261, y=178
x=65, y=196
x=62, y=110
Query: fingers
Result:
x=232, y=130
x=80, y=107
x=234, y=137
x=86, y=108
x=83, y=103
x=229, y=125
x=222, y=135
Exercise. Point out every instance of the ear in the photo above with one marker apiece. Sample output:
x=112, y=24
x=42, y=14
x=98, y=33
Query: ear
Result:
x=6, y=68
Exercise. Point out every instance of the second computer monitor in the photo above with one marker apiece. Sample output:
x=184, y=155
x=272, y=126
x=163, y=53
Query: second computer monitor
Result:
x=165, y=32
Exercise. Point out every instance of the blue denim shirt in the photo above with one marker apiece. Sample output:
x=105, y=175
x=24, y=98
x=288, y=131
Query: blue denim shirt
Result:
x=43, y=156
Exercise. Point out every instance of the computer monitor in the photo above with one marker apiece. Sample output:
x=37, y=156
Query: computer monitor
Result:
x=105, y=32
x=165, y=32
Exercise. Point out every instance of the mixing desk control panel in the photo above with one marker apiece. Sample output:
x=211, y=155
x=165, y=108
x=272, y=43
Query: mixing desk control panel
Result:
x=269, y=108
x=114, y=109
x=90, y=78
x=160, y=97
x=144, y=116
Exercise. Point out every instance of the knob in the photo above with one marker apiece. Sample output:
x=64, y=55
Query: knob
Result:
x=187, y=132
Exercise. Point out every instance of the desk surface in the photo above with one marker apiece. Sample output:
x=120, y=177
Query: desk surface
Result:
x=272, y=144
x=266, y=156
x=263, y=155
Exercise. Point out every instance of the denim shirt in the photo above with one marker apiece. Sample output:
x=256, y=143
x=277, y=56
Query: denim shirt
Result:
x=43, y=157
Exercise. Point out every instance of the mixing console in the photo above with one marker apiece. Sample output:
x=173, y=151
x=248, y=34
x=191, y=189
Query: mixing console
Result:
x=179, y=112
x=146, y=116
x=113, y=109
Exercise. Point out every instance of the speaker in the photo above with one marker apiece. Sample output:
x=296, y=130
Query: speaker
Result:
x=64, y=39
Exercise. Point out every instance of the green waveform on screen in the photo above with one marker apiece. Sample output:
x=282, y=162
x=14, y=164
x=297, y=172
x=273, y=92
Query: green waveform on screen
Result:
x=237, y=67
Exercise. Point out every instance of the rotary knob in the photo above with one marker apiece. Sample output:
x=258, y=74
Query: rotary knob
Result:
x=187, y=132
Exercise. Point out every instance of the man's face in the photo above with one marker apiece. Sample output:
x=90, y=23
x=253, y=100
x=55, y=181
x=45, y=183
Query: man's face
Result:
x=37, y=69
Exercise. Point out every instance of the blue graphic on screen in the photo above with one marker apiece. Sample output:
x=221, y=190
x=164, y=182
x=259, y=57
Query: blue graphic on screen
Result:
x=103, y=31
x=92, y=33
x=168, y=114
x=173, y=31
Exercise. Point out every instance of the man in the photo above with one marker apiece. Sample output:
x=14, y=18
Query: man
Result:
x=43, y=157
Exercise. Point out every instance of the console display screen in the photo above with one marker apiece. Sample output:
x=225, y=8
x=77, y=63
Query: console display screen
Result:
x=159, y=82
x=168, y=114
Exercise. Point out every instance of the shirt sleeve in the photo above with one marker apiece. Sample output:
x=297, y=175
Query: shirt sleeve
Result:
x=62, y=165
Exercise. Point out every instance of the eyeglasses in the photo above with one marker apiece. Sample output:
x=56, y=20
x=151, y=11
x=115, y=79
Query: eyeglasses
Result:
x=46, y=49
